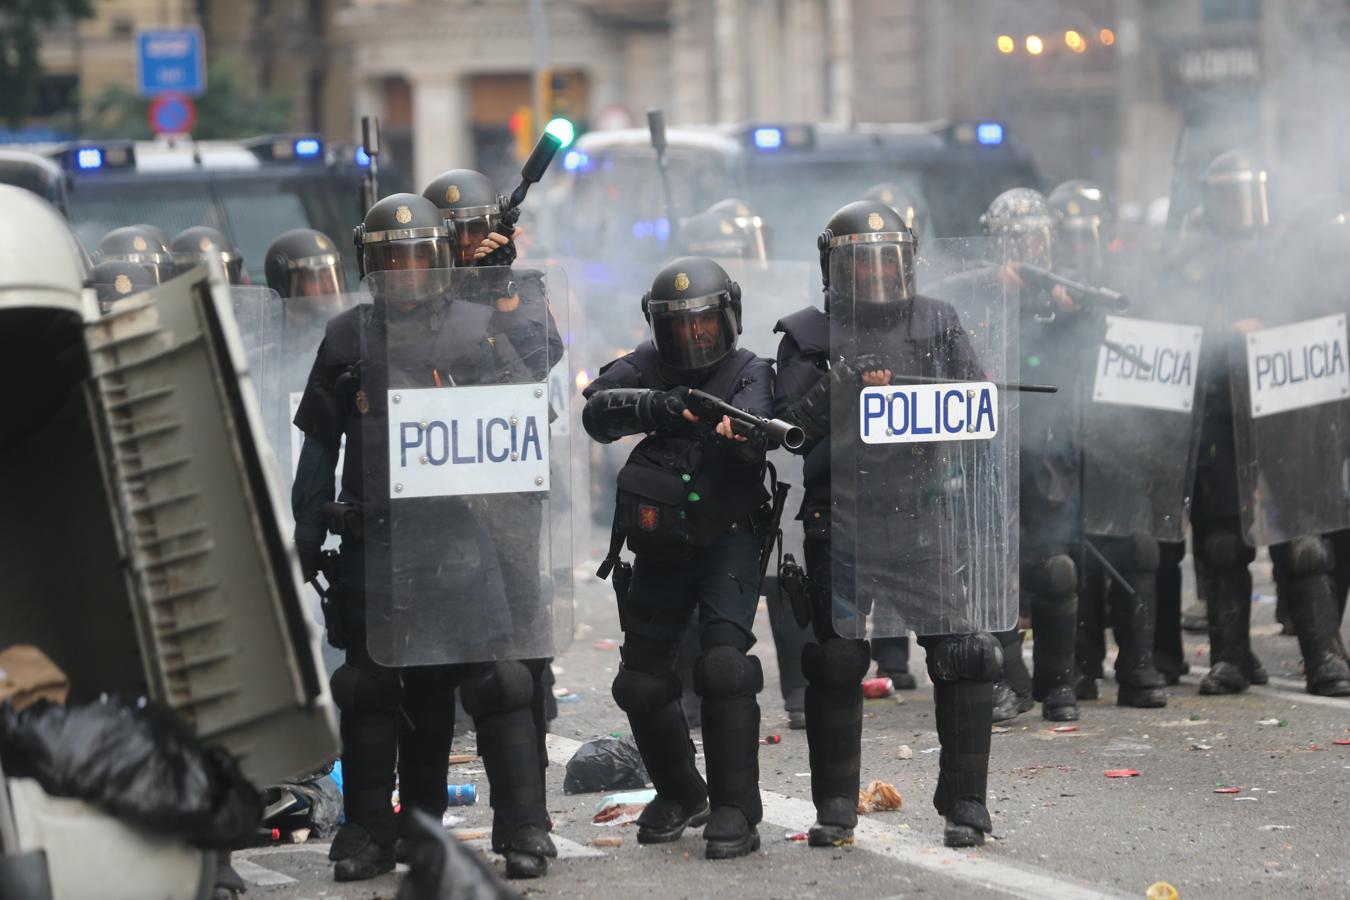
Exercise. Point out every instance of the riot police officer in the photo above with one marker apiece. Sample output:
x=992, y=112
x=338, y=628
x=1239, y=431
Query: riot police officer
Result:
x=1084, y=216
x=1228, y=276
x=473, y=209
x=1216, y=275
x=140, y=244
x=303, y=262
x=404, y=236
x=192, y=245
x=916, y=335
x=1049, y=468
x=690, y=502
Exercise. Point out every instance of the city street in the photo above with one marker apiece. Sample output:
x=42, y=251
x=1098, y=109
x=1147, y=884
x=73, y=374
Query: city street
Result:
x=1062, y=829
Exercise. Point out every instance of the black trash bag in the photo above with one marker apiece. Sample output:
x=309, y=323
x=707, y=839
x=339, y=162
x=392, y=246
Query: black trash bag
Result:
x=137, y=761
x=312, y=802
x=443, y=869
x=606, y=764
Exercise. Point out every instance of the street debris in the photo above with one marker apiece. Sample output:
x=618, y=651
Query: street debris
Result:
x=877, y=688
x=605, y=764
x=879, y=796
x=1121, y=773
x=905, y=752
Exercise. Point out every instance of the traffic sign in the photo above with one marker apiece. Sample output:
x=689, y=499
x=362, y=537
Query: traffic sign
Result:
x=170, y=61
x=172, y=114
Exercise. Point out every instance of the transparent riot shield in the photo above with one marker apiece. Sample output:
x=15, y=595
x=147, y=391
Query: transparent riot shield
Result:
x=923, y=469
x=1141, y=429
x=291, y=330
x=467, y=520
x=1291, y=419
x=253, y=308
x=769, y=292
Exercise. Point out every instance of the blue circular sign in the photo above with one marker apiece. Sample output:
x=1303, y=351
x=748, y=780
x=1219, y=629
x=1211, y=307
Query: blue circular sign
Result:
x=172, y=114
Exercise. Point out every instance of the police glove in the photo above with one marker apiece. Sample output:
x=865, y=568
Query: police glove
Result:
x=311, y=559
x=666, y=409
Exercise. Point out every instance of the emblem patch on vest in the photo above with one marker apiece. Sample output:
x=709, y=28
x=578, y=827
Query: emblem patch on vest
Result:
x=648, y=517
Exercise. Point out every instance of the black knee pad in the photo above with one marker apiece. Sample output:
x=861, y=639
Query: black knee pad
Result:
x=1309, y=556
x=1224, y=551
x=836, y=663
x=1057, y=575
x=357, y=690
x=498, y=687
x=1143, y=554
x=724, y=671
x=966, y=657
x=642, y=693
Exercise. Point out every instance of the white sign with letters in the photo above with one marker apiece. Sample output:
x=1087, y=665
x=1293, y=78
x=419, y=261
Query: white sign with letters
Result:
x=1149, y=364
x=920, y=413
x=1299, y=365
x=450, y=442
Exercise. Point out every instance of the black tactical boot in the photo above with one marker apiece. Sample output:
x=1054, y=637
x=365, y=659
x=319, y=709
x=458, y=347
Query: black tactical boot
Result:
x=1060, y=705
x=357, y=857
x=664, y=820
x=967, y=824
x=729, y=834
x=1224, y=678
x=1008, y=704
x=958, y=836
x=835, y=819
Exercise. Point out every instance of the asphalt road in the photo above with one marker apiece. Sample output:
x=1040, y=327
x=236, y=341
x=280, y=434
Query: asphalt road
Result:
x=1062, y=829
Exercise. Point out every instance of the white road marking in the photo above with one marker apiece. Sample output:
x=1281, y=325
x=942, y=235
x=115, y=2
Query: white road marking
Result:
x=909, y=849
x=256, y=874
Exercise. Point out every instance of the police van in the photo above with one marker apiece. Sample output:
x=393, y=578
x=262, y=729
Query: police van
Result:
x=794, y=176
x=250, y=190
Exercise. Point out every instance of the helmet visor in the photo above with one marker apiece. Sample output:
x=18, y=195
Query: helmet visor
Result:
x=695, y=333
x=1237, y=202
x=316, y=276
x=409, y=254
x=871, y=275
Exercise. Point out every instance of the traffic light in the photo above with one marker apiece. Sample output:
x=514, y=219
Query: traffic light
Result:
x=521, y=124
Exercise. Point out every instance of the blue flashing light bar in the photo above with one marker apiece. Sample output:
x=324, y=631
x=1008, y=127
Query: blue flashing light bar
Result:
x=88, y=158
x=662, y=229
x=362, y=157
x=308, y=147
x=989, y=133
x=768, y=138
x=575, y=160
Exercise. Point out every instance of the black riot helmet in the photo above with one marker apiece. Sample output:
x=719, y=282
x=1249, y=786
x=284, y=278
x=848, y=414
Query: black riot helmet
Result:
x=116, y=280
x=867, y=259
x=1022, y=216
x=1234, y=191
x=902, y=200
x=403, y=232
x=467, y=199
x=749, y=223
x=711, y=233
x=1083, y=215
x=303, y=262
x=694, y=309
x=140, y=244
x=192, y=245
